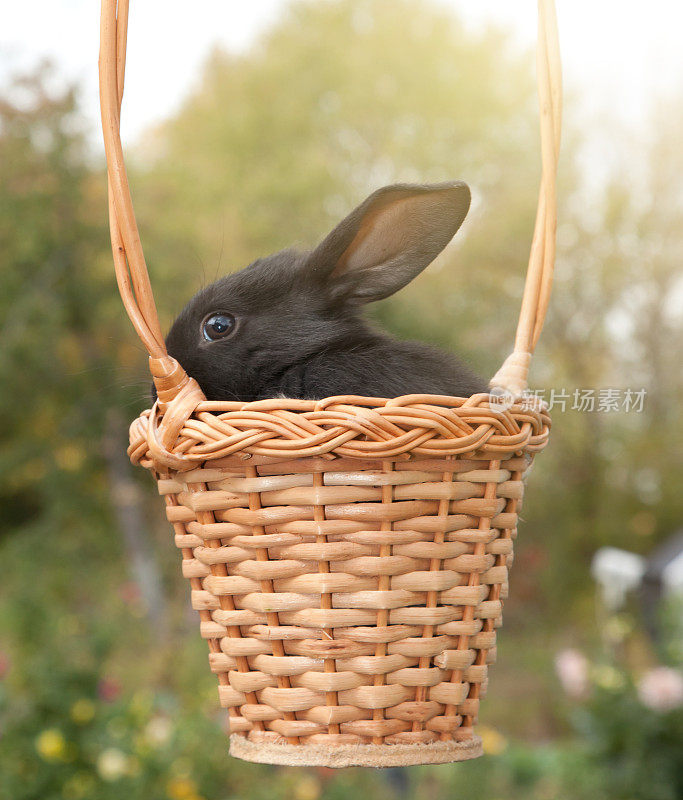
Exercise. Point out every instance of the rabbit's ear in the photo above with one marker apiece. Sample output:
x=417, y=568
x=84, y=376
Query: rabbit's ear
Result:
x=388, y=240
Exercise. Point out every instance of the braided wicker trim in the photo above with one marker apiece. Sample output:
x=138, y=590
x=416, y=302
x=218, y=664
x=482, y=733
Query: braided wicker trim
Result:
x=346, y=426
x=354, y=755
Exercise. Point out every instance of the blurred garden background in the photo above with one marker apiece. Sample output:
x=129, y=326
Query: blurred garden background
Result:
x=105, y=690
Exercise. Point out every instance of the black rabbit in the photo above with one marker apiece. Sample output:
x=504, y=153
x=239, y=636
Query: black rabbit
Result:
x=290, y=324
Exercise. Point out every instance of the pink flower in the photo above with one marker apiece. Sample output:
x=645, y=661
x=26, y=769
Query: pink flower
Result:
x=108, y=689
x=661, y=689
x=572, y=670
x=129, y=592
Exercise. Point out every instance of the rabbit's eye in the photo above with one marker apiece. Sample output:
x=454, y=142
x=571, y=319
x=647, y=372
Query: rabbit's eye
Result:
x=218, y=326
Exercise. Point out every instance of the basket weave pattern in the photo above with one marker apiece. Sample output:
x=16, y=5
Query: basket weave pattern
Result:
x=350, y=596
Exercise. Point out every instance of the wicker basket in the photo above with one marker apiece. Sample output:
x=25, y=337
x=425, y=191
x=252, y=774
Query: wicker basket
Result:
x=348, y=557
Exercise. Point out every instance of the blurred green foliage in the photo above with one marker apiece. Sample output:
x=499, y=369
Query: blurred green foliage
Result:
x=271, y=148
x=637, y=749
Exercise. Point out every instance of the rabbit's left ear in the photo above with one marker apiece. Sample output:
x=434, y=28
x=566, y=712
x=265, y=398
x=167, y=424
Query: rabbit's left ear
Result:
x=388, y=240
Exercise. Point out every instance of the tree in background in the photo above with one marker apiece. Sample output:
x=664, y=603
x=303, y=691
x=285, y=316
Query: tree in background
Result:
x=52, y=318
x=62, y=362
x=616, y=322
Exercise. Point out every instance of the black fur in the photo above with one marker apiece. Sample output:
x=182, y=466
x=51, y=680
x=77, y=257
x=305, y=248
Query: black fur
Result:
x=300, y=332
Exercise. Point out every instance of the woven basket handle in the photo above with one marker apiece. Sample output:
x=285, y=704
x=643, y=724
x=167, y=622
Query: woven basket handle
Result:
x=513, y=374
x=129, y=261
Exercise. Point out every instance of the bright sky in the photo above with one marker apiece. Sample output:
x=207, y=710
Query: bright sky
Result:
x=617, y=53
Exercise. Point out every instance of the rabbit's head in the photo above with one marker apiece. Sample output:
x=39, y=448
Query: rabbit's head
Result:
x=237, y=335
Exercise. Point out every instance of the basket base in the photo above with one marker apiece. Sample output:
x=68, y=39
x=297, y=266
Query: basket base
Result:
x=353, y=755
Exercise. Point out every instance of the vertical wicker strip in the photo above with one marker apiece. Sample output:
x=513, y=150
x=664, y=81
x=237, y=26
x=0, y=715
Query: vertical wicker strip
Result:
x=469, y=710
x=435, y=565
x=329, y=664
x=348, y=557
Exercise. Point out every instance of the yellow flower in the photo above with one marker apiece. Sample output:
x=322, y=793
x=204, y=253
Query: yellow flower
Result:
x=112, y=764
x=182, y=789
x=51, y=745
x=69, y=457
x=141, y=703
x=82, y=711
x=607, y=677
x=618, y=628
x=307, y=788
x=493, y=742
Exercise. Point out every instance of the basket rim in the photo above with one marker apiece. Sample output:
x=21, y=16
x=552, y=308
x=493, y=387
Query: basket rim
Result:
x=189, y=430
